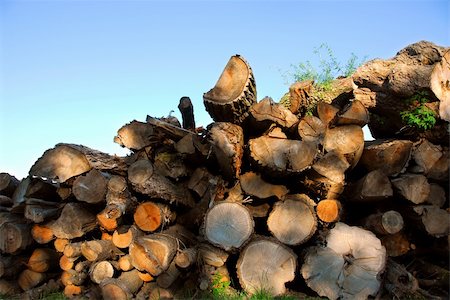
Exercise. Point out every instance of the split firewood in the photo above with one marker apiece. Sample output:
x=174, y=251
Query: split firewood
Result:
x=440, y=77
x=204, y=184
x=90, y=188
x=253, y=184
x=355, y=113
x=347, y=140
x=413, y=187
x=125, y=235
x=282, y=156
x=187, y=113
x=42, y=233
x=348, y=266
x=256, y=272
x=29, y=279
x=211, y=255
x=228, y=225
x=266, y=112
x=299, y=93
x=69, y=160
x=391, y=156
x=326, y=112
x=135, y=135
x=389, y=222
x=97, y=250
x=434, y=219
x=426, y=155
x=311, y=129
x=43, y=260
x=74, y=221
x=123, y=287
x=333, y=166
x=329, y=210
x=440, y=170
x=149, y=216
x=322, y=186
x=293, y=221
x=233, y=94
x=8, y=184
x=19, y=195
x=100, y=271
x=374, y=186
x=145, y=180
x=227, y=141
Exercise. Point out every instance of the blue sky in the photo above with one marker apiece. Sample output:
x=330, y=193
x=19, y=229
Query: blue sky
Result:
x=76, y=71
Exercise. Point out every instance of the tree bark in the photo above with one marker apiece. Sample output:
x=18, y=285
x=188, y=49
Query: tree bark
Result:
x=233, y=94
x=187, y=112
x=440, y=77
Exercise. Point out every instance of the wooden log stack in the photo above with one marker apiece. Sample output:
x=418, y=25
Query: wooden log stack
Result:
x=266, y=198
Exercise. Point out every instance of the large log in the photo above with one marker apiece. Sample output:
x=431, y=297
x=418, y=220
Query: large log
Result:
x=311, y=129
x=135, y=135
x=266, y=265
x=347, y=140
x=15, y=234
x=233, y=94
x=293, y=221
x=74, y=221
x=374, y=186
x=349, y=265
x=90, y=188
x=413, y=187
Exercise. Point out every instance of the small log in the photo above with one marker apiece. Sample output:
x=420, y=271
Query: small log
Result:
x=440, y=170
x=68, y=160
x=12, y=265
x=170, y=165
x=186, y=258
x=282, y=156
x=90, y=188
x=389, y=222
x=353, y=256
x=187, y=113
x=266, y=112
x=375, y=186
x=14, y=237
x=43, y=260
x=67, y=263
x=135, y=135
x=99, y=250
x=168, y=277
x=327, y=112
x=29, y=279
x=8, y=184
x=391, y=156
x=19, y=195
x=233, y=94
x=293, y=221
x=149, y=216
x=412, y=187
x=311, y=129
x=124, y=263
x=211, y=255
x=253, y=184
x=227, y=142
x=329, y=210
x=434, y=219
x=42, y=233
x=256, y=272
x=74, y=221
x=60, y=244
x=146, y=181
x=440, y=78
x=9, y=288
x=355, y=113
x=396, y=244
x=333, y=166
x=436, y=196
x=167, y=128
x=73, y=277
x=72, y=249
x=228, y=225
x=100, y=271
x=347, y=140
x=38, y=211
x=299, y=93
x=125, y=235
x=71, y=290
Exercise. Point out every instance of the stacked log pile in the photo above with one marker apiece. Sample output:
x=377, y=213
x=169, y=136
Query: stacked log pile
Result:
x=268, y=197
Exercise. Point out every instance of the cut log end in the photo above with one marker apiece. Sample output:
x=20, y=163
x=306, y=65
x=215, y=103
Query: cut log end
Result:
x=329, y=210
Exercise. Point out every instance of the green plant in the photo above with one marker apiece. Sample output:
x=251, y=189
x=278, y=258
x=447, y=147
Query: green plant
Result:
x=220, y=287
x=420, y=117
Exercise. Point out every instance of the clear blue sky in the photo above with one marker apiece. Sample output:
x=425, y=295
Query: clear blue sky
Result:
x=76, y=71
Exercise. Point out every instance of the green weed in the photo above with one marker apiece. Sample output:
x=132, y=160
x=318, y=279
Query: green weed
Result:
x=420, y=117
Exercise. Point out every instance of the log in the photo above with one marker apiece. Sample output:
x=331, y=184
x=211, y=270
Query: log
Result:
x=29, y=279
x=186, y=258
x=43, y=260
x=299, y=93
x=167, y=128
x=436, y=196
x=347, y=140
x=14, y=237
x=413, y=187
x=149, y=216
x=311, y=129
x=389, y=222
x=440, y=170
x=210, y=255
x=170, y=165
x=396, y=244
x=252, y=184
x=135, y=135
x=100, y=271
x=391, y=156
x=9, y=288
x=146, y=181
x=329, y=210
x=6, y=202
x=97, y=250
x=8, y=184
x=426, y=155
x=323, y=187
x=72, y=249
x=258, y=273
x=293, y=221
x=235, y=91
x=73, y=277
x=11, y=265
x=374, y=186
x=187, y=113
x=227, y=142
x=259, y=211
x=19, y=195
x=327, y=112
x=42, y=233
x=440, y=77
x=228, y=225
x=168, y=277
x=38, y=211
x=67, y=263
x=266, y=112
x=281, y=156
x=60, y=244
x=124, y=263
x=125, y=235
x=333, y=166
x=434, y=219
x=354, y=113
x=71, y=290
x=74, y=221
x=68, y=160
x=348, y=266
x=90, y=188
